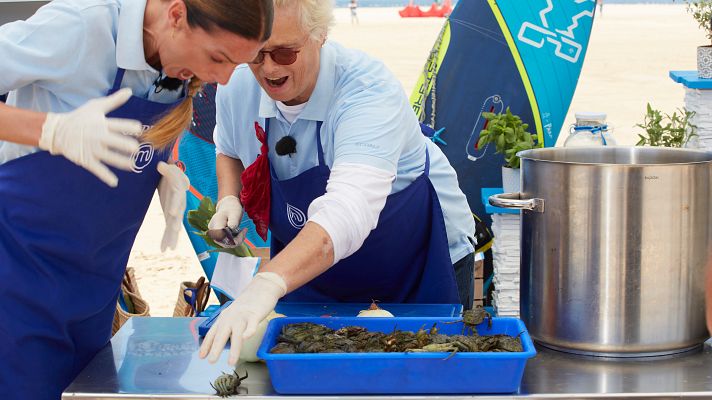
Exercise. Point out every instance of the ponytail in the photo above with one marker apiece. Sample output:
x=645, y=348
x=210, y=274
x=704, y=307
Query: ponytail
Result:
x=172, y=125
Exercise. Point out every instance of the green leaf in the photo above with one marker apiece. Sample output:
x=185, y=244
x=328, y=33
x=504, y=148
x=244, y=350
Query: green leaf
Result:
x=500, y=143
x=482, y=142
x=199, y=219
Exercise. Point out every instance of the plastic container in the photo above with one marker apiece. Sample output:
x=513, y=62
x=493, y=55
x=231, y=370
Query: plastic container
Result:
x=397, y=373
x=590, y=129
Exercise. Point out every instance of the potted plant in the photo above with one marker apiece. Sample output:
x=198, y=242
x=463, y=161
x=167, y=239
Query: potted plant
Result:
x=510, y=136
x=667, y=130
x=701, y=11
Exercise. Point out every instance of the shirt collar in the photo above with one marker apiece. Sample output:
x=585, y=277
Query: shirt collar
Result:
x=320, y=100
x=129, y=38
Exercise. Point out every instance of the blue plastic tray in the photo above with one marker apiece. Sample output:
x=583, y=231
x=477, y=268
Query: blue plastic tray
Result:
x=397, y=373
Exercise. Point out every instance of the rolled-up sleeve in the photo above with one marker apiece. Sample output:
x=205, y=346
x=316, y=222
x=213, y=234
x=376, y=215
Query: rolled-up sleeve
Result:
x=349, y=211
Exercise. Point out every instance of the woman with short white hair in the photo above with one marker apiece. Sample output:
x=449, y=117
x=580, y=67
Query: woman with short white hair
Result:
x=319, y=144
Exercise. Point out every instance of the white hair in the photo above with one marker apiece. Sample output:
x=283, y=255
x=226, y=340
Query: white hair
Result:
x=317, y=16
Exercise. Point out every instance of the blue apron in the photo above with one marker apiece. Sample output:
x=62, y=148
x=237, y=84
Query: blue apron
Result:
x=404, y=260
x=65, y=239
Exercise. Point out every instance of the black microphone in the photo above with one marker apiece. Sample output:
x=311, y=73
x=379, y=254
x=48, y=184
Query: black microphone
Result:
x=285, y=146
x=166, y=82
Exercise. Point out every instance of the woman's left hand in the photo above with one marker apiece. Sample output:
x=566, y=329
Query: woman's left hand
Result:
x=171, y=193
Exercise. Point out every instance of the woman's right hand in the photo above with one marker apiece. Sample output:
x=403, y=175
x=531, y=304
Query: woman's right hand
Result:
x=240, y=319
x=228, y=212
x=89, y=139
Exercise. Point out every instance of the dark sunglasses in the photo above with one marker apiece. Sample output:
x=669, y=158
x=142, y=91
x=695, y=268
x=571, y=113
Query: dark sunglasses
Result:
x=281, y=56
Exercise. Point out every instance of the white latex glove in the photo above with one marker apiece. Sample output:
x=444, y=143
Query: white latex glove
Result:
x=240, y=320
x=87, y=138
x=228, y=212
x=171, y=193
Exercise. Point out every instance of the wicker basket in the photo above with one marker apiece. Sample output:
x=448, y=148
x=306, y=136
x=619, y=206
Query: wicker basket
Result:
x=129, y=289
x=192, y=298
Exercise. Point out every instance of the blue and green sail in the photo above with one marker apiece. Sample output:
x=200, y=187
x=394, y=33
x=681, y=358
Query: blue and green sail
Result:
x=492, y=54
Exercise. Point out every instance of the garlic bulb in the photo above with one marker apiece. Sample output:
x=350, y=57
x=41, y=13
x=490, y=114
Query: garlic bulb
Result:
x=252, y=344
x=374, y=311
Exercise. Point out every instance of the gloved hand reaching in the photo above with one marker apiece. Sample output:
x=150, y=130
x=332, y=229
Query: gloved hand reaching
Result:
x=228, y=212
x=89, y=139
x=239, y=320
x=171, y=193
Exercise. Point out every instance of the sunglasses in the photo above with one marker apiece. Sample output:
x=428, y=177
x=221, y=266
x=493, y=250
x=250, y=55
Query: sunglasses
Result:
x=281, y=56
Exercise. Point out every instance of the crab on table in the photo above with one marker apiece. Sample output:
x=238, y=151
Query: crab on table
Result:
x=227, y=384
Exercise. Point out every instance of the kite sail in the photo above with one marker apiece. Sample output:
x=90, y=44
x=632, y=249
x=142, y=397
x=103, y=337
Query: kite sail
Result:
x=494, y=54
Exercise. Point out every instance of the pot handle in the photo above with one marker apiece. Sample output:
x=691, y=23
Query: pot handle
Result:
x=514, y=200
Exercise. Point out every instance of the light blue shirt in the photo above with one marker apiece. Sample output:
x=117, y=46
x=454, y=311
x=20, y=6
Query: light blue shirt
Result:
x=366, y=120
x=68, y=52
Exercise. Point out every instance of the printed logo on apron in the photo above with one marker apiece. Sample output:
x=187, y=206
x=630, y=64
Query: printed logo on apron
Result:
x=142, y=157
x=296, y=217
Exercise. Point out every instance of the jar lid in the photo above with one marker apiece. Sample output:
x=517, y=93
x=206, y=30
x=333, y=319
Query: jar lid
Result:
x=591, y=116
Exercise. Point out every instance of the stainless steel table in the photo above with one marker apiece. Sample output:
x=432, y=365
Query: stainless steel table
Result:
x=157, y=358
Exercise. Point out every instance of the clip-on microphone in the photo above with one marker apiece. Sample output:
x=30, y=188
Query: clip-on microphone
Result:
x=166, y=82
x=286, y=146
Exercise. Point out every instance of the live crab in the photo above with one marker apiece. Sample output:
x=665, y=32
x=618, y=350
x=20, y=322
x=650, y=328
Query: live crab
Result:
x=228, y=384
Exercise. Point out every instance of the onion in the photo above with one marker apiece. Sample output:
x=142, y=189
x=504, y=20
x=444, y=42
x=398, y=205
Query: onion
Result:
x=250, y=345
x=374, y=311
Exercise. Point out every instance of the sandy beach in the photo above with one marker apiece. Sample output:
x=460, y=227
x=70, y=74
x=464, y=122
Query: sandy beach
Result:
x=632, y=49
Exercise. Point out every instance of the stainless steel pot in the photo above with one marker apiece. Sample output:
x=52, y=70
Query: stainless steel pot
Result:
x=614, y=246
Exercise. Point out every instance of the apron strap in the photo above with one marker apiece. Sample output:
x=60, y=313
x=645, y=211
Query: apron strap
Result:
x=117, y=81
x=426, y=171
x=319, y=148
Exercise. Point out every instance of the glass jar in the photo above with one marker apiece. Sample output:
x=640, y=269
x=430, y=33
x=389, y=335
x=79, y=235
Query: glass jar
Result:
x=590, y=129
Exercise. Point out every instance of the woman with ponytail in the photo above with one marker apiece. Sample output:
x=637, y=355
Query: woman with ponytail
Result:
x=99, y=90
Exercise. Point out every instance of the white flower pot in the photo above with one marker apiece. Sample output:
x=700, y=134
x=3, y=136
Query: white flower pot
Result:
x=704, y=62
x=511, y=180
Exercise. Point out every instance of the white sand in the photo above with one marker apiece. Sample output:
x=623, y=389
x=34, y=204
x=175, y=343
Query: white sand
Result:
x=632, y=49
